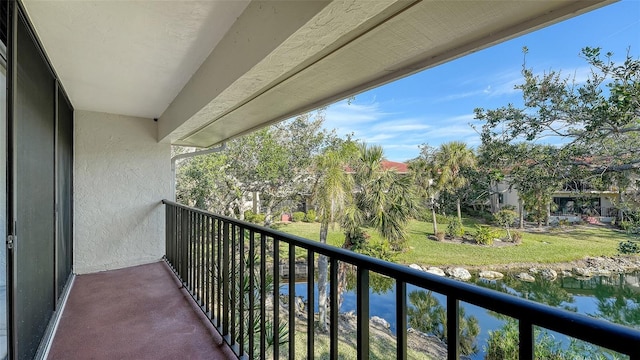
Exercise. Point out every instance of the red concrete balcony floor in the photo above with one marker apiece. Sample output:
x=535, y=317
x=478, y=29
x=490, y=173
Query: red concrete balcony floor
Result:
x=134, y=313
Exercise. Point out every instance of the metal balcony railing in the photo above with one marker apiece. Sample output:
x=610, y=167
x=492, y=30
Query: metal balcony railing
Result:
x=232, y=270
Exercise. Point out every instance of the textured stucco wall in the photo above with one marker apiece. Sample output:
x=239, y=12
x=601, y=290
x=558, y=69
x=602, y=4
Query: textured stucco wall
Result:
x=121, y=174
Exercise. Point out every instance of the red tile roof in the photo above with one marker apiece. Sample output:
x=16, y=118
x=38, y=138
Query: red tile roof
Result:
x=399, y=167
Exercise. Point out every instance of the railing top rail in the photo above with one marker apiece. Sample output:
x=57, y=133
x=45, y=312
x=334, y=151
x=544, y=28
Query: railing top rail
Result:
x=620, y=338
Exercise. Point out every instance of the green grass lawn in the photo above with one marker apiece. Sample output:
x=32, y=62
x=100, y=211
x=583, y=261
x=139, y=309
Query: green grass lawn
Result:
x=568, y=244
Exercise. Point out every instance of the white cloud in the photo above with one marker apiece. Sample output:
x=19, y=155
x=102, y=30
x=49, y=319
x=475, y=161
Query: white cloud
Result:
x=377, y=138
x=401, y=125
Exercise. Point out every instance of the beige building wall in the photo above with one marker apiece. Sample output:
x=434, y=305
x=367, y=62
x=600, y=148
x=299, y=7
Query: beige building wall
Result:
x=121, y=173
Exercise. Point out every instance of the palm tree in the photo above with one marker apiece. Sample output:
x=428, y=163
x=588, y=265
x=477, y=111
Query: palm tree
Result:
x=425, y=180
x=360, y=195
x=450, y=159
x=332, y=194
x=383, y=200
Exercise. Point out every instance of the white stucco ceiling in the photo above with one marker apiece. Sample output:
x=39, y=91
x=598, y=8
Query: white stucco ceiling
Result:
x=212, y=70
x=129, y=57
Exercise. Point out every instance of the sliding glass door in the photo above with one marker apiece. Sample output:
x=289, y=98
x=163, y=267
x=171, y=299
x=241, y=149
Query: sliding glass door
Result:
x=3, y=202
x=36, y=142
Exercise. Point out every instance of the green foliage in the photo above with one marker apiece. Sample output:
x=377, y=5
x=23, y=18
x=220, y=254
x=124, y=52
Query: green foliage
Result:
x=378, y=249
x=258, y=218
x=558, y=247
x=454, y=228
x=385, y=200
x=451, y=160
x=298, y=216
x=626, y=225
x=275, y=161
x=424, y=215
x=516, y=237
x=248, y=215
x=427, y=315
x=248, y=291
x=485, y=235
x=503, y=345
x=564, y=222
x=357, y=239
x=629, y=247
x=596, y=121
x=505, y=217
x=441, y=219
x=310, y=216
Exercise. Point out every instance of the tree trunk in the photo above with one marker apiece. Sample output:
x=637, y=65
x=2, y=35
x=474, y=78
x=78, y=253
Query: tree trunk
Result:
x=458, y=207
x=521, y=213
x=322, y=280
x=267, y=217
x=433, y=216
x=493, y=197
x=255, y=202
x=620, y=213
x=548, y=219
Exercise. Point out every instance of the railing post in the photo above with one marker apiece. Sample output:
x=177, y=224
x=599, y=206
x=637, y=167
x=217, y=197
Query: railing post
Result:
x=184, y=234
x=362, y=313
x=167, y=232
x=401, y=319
x=207, y=290
x=333, y=308
x=310, y=304
x=232, y=293
x=241, y=292
x=526, y=339
x=276, y=298
x=263, y=296
x=292, y=301
x=252, y=293
x=453, y=331
x=225, y=283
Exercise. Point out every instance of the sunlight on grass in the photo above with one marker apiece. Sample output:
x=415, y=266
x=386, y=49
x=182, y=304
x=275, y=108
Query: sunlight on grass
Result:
x=566, y=245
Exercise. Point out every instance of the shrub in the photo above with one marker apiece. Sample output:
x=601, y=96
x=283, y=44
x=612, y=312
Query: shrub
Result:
x=440, y=219
x=440, y=236
x=508, y=207
x=564, y=222
x=503, y=344
x=505, y=218
x=297, y=216
x=258, y=218
x=629, y=247
x=516, y=237
x=454, y=228
x=311, y=216
x=424, y=215
x=486, y=216
x=485, y=234
x=248, y=215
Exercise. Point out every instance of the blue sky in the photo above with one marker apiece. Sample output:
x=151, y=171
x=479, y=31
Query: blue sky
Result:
x=436, y=105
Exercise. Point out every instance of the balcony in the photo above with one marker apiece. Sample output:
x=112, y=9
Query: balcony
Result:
x=139, y=312
x=218, y=296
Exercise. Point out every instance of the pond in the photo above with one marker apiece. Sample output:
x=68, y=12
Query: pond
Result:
x=613, y=298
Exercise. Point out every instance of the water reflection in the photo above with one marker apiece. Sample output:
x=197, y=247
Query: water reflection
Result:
x=427, y=315
x=614, y=298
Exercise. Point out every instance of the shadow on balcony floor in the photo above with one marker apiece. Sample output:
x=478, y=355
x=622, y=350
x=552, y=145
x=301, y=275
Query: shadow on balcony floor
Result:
x=134, y=313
